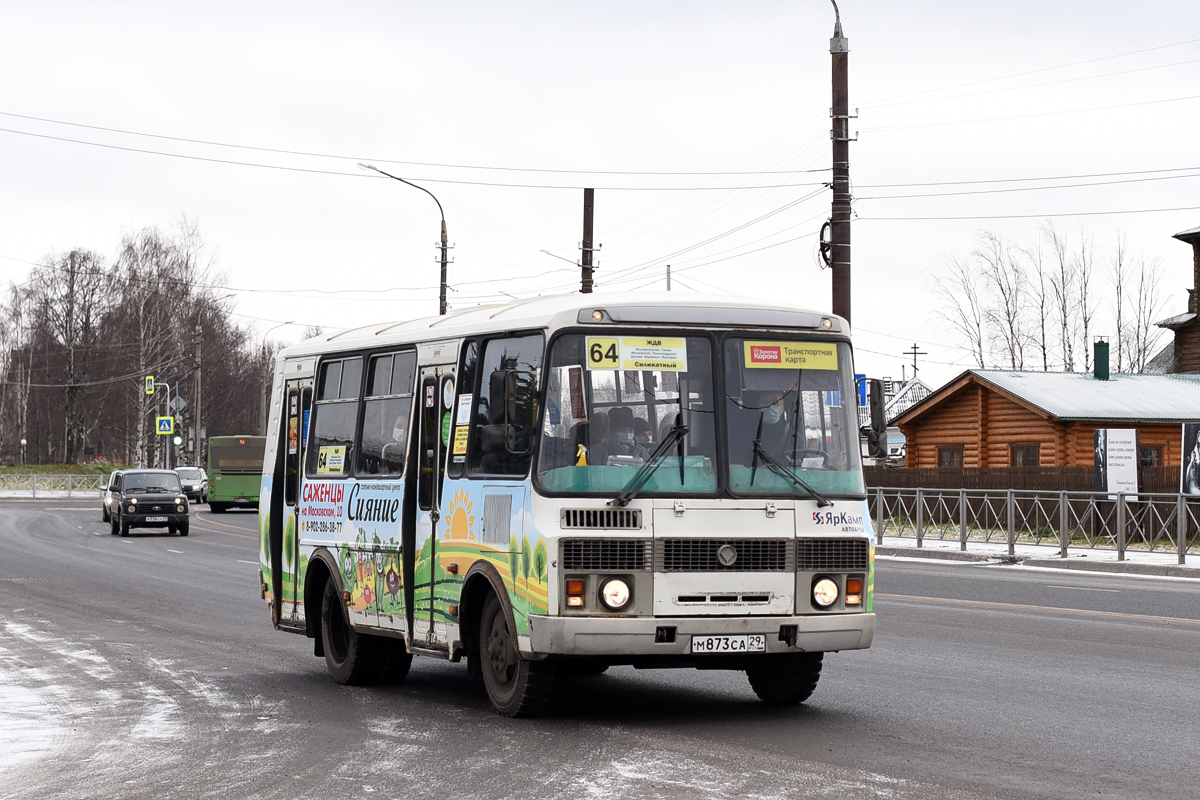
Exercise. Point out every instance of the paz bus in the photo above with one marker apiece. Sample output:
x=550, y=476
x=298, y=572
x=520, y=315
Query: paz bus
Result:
x=555, y=486
x=234, y=471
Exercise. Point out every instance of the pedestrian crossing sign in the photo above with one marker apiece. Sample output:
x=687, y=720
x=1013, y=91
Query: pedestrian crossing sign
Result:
x=149, y=384
x=165, y=425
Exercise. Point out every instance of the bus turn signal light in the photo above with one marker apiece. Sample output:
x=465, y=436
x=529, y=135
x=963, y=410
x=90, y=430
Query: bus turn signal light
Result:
x=575, y=589
x=854, y=591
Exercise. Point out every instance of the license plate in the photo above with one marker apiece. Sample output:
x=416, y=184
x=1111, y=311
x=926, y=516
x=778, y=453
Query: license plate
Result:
x=156, y=519
x=752, y=643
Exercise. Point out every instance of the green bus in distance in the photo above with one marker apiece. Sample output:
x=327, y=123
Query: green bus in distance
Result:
x=234, y=471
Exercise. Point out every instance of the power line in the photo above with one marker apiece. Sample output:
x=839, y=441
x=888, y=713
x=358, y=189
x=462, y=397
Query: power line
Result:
x=1035, y=216
x=343, y=157
x=1037, y=85
x=1020, y=180
x=1030, y=72
x=313, y=171
x=948, y=123
x=1028, y=188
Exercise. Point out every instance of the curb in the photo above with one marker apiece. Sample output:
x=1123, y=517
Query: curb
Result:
x=1115, y=567
x=938, y=555
x=1168, y=570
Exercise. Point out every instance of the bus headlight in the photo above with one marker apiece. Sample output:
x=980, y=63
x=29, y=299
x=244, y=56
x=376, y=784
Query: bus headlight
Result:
x=615, y=594
x=824, y=593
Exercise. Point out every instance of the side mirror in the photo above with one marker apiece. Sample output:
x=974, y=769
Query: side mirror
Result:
x=513, y=411
x=876, y=434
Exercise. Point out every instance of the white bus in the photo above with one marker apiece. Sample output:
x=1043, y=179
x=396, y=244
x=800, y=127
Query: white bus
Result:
x=558, y=485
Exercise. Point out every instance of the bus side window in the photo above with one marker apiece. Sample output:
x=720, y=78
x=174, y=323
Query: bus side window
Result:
x=386, y=415
x=505, y=433
x=334, y=418
x=462, y=424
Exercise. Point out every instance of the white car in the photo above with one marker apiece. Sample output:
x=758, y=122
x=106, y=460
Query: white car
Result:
x=107, y=498
x=195, y=483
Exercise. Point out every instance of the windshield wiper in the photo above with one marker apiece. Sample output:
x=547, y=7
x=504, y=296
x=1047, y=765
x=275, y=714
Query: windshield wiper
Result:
x=675, y=437
x=779, y=469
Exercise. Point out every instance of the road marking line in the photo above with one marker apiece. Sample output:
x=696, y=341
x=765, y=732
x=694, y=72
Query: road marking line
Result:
x=180, y=552
x=1048, y=610
x=1083, y=589
x=227, y=525
x=252, y=563
x=67, y=508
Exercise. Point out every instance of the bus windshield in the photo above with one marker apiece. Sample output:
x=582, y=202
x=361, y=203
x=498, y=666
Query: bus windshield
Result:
x=792, y=417
x=611, y=400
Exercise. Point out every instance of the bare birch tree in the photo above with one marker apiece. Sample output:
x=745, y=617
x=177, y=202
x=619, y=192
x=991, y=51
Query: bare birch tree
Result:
x=963, y=307
x=1118, y=270
x=1005, y=277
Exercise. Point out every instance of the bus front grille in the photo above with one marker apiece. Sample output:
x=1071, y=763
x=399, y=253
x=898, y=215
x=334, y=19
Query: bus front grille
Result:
x=819, y=555
x=594, y=519
x=605, y=555
x=723, y=555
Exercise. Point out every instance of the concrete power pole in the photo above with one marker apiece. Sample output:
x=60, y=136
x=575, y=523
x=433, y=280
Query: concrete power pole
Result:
x=588, y=197
x=839, y=228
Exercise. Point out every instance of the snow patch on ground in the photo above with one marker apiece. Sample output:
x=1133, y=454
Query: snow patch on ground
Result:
x=29, y=722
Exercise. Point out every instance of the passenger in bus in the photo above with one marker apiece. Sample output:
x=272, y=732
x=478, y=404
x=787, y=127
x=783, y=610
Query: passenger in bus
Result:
x=622, y=441
x=643, y=432
x=598, y=434
x=392, y=455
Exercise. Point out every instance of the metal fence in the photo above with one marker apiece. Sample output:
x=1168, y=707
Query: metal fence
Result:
x=1165, y=523
x=51, y=485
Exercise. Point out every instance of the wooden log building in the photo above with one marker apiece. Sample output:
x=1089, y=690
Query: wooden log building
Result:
x=998, y=418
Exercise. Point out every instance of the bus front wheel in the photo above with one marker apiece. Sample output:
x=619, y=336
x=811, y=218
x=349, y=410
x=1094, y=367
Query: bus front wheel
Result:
x=351, y=657
x=785, y=680
x=516, y=687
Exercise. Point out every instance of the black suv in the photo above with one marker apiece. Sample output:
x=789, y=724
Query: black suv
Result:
x=148, y=498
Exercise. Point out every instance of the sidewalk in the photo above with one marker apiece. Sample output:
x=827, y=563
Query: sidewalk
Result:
x=1136, y=562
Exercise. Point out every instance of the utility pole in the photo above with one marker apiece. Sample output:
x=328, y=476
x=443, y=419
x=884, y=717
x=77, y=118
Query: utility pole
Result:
x=668, y=277
x=588, y=198
x=196, y=369
x=839, y=228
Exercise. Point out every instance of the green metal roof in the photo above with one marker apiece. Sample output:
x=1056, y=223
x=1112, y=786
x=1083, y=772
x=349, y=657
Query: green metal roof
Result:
x=1079, y=396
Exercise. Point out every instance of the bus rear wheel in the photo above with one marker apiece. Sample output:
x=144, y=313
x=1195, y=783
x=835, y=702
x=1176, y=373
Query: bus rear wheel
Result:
x=516, y=687
x=217, y=508
x=351, y=657
x=785, y=680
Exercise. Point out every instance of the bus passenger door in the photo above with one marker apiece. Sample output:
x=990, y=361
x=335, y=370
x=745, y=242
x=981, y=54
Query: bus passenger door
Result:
x=430, y=610
x=297, y=402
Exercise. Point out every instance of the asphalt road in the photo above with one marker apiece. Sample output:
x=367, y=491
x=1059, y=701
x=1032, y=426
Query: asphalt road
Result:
x=146, y=667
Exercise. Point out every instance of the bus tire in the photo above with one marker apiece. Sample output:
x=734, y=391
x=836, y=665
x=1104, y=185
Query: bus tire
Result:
x=516, y=687
x=352, y=658
x=396, y=661
x=217, y=508
x=787, y=679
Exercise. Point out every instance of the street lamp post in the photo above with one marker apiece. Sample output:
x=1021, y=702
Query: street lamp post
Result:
x=266, y=387
x=442, y=296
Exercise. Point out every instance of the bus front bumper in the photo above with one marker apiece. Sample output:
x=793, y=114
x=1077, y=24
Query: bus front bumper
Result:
x=672, y=636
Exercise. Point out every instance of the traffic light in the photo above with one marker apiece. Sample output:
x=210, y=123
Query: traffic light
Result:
x=178, y=440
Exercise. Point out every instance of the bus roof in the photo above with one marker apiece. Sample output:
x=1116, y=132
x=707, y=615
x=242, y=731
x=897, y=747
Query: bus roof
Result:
x=560, y=311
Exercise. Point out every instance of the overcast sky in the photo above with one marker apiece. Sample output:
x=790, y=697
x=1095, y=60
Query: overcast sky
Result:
x=614, y=95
